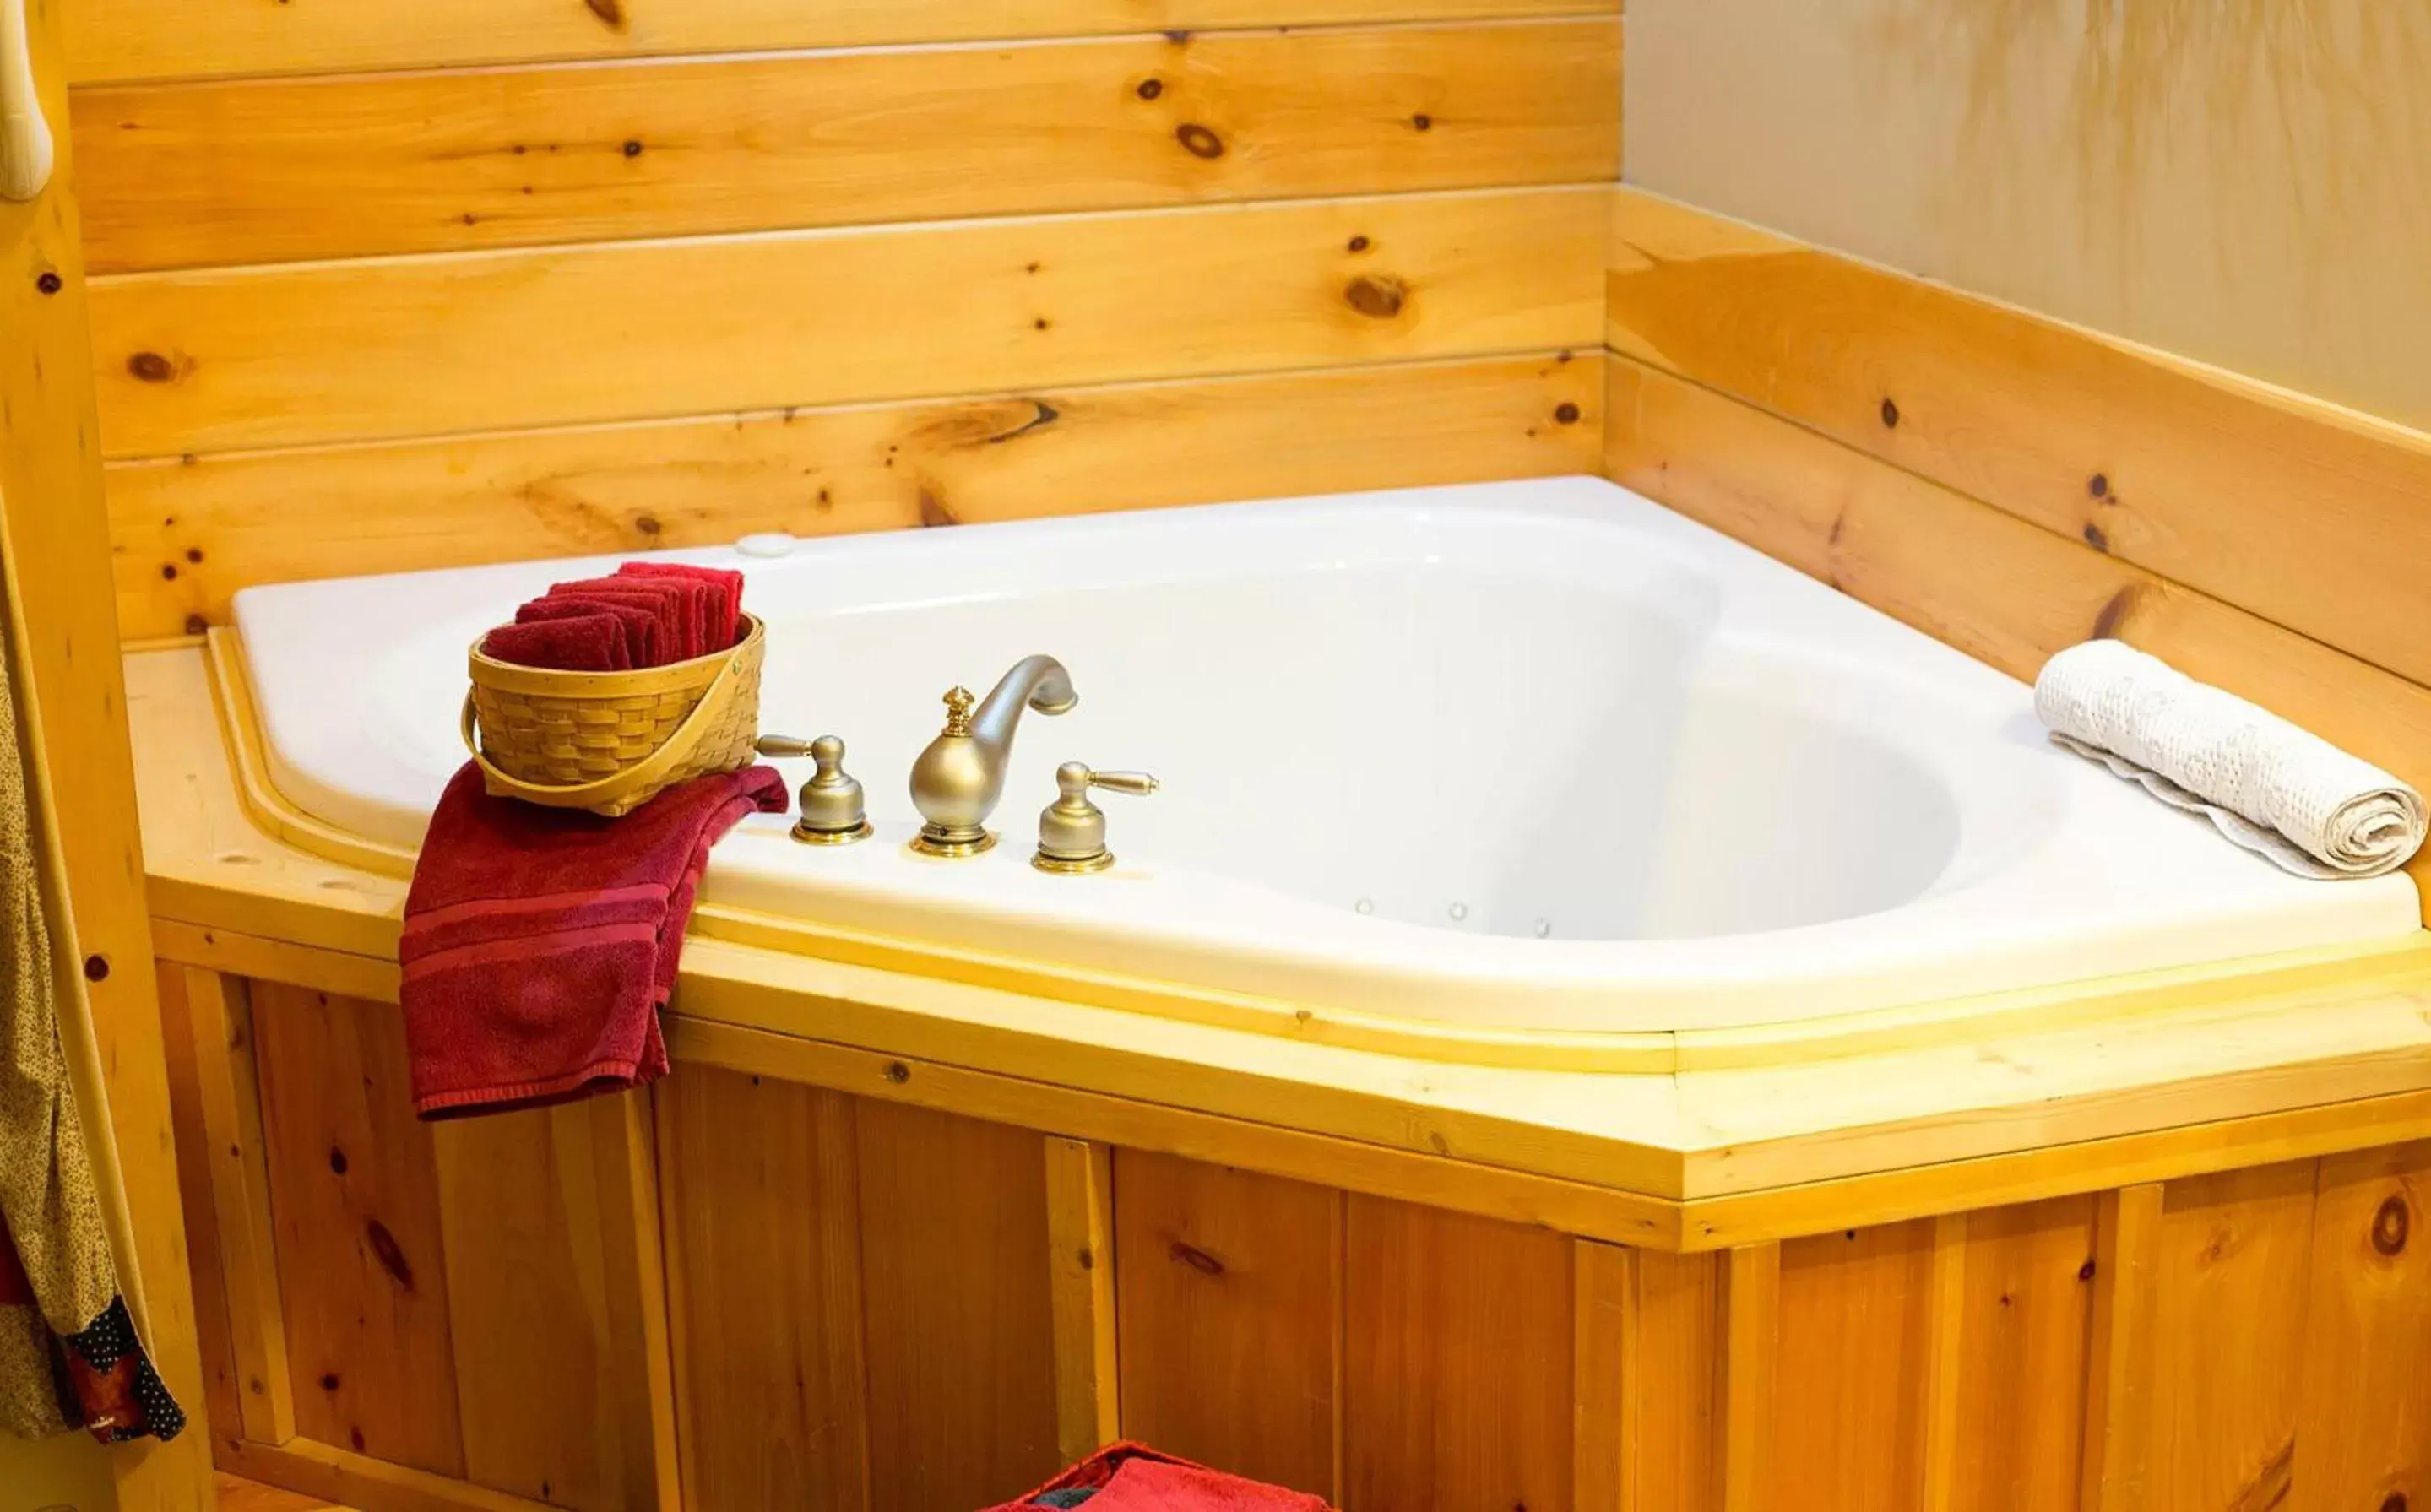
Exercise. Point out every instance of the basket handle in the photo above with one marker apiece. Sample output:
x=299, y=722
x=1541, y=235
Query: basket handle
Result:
x=607, y=790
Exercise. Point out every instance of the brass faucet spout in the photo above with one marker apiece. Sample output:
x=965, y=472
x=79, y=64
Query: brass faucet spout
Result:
x=958, y=780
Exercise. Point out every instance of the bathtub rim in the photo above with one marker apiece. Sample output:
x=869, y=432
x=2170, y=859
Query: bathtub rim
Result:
x=1920, y=1024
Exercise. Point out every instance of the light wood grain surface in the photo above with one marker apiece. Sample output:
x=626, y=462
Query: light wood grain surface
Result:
x=1230, y=1317
x=208, y=361
x=191, y=533
x=116, y=39
x=355, y=1199
x=280, y=170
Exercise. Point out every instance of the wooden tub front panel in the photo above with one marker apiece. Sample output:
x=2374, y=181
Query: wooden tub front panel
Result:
x=739, y=1292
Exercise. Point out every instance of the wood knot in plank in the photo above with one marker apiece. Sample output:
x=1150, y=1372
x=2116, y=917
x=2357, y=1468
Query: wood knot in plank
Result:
x=611, y=12
x=390, y=1253
x=1197, y=1258
x=1377, y=297
x=2390, y=1226
x=1199, y=141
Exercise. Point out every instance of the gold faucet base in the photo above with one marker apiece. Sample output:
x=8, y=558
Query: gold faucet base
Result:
x=1072, y=866
x=953, y=846
x=833, y=837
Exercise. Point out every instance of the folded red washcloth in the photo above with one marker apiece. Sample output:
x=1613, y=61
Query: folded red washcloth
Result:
x=694, y=595
x=540, y=943
x=588, y=643
x=678, y=638
x=641, y=622
x=1129, y=1478
x=725, y=609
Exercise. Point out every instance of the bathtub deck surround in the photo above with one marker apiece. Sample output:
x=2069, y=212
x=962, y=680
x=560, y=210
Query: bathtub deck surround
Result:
x=1272, y=1252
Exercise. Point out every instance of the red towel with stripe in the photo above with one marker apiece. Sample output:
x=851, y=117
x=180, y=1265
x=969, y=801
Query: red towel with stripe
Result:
x=540, y=943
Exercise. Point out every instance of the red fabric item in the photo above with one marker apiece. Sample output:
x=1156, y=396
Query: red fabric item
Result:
x=16, y=1288
x=724, y=621
x=589, y=642
x=540, y=943
x=669, y=601
x=641, y=622
x=1134, y=1478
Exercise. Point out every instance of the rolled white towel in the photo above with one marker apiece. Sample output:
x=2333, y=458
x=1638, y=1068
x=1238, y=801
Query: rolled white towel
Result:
x=2271, y=786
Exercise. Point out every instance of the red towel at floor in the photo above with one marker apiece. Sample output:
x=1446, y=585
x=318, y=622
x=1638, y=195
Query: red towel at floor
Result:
x=540, y=943
x=1130, y=1477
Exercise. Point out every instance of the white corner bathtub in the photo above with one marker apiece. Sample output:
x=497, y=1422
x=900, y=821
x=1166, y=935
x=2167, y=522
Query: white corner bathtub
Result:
x=1513, y=756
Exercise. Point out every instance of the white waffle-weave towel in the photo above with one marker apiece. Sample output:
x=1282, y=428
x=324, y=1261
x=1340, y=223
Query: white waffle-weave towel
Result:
x=2271, y=786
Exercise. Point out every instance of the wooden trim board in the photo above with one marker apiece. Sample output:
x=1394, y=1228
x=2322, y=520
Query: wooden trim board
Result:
x=190, y=533
x=122, y=40
x=199, y=362
x=284, y=170
x=2300, y=513
x=71, y=710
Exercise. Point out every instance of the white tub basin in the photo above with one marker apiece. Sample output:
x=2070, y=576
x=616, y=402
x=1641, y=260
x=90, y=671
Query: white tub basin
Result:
x=1526, y=755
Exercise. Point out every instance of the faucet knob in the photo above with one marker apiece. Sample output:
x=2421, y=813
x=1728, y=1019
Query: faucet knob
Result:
x=1072, y=830
x=834, y=812
x=959, y=703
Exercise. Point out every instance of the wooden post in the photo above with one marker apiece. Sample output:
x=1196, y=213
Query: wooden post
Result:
x=57, y=534
x=1751, y=1355
x=2118, y=1404
x=1080, y=1268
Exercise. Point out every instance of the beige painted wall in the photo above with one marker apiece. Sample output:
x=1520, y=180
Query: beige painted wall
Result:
x=2244, y=181
x=69, y=1472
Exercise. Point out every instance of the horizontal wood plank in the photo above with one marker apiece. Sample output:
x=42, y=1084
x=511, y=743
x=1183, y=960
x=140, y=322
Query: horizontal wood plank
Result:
x=1984, y=581
x=122, y=40
x=205, y=361
x=280, y=170
x=2311, y=516
x=187, y=536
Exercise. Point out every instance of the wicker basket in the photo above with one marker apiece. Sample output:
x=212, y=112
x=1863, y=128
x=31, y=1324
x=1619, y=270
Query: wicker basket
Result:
x=610, y=742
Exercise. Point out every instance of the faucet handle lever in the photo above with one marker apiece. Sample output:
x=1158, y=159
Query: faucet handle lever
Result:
x=1138, y=784
x=1072, y=830
x=783, y=746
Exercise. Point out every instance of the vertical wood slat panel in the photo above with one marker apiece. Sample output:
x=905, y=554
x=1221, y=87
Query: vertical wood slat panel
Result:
x=1229, y=1291
x=760, y=1194
x=521, y=1295
x=1673, y=1429
x=221, y=1389
x=1080, y=1268
x=2018, y=1418
x=1854, y=1310
x=633, y=1316
x=2363, y=1434
x=2228, y=1337
x=1940, y=1366
x=956, y=1297
x=1458, y=1374
x=218, y=1017
x=2118, y=1349
x=354, y=1209
x=1746, y=1429
x=1604, y=1360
